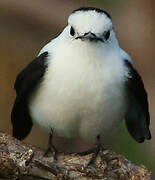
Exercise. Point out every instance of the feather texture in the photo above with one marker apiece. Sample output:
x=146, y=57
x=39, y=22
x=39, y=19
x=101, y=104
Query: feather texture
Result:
x=25, y=84
x=137, y=116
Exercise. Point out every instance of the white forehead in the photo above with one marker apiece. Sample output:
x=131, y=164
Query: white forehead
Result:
x=85, y=21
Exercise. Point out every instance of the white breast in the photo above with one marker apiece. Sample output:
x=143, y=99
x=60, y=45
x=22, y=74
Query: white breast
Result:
x=82, y=94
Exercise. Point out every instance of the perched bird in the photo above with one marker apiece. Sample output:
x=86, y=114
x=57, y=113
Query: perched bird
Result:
x=81, y=85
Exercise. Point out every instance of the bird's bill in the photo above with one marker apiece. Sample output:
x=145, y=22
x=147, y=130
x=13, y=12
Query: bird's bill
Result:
x=90, y=37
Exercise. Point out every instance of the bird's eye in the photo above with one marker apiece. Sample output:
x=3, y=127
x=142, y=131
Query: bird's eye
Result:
x=107, y=34
x=72, y=32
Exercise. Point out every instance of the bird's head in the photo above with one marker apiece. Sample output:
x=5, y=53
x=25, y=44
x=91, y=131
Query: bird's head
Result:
x=93, y=25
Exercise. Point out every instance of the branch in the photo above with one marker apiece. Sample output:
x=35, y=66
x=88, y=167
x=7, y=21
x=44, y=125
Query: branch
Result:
x=20, y=161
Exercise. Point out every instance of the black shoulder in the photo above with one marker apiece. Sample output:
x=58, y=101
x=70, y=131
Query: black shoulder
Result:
x=25, y=84
x=137, y=116
x=27, y=79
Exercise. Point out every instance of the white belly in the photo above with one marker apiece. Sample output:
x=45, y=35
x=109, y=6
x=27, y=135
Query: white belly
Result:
x=79, y=102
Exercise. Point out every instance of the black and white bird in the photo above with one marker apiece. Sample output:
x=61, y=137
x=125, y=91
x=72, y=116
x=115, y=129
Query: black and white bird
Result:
x=82, y=84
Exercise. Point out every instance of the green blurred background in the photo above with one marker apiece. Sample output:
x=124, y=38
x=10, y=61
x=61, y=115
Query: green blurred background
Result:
x=26, y=26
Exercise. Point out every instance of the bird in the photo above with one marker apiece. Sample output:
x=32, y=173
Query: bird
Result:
x=82, y=85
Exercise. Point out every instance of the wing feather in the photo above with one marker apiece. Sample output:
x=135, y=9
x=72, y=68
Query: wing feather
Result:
x=137, y=116
x=25, y=84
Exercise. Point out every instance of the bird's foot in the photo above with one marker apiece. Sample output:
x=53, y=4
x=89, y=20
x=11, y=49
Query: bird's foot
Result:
x=53, y=150
x=95, y=152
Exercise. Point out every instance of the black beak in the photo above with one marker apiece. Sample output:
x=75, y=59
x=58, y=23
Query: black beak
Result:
x=90, y=36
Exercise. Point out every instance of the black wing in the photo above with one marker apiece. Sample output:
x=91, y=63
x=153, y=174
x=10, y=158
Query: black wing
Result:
x=25, y=84
x=137, y=117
